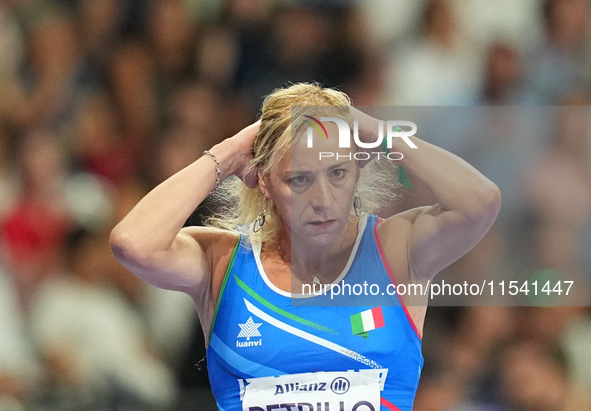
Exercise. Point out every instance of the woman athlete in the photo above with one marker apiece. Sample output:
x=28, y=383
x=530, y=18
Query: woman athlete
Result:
x=297, y=219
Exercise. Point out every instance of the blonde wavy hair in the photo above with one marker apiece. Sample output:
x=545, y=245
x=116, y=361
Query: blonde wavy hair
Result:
x=283, y=110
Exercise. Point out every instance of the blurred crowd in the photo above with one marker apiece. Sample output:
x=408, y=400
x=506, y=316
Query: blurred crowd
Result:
x=100, y=100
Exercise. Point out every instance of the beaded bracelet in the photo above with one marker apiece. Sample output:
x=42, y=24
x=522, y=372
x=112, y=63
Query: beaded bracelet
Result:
x=218, y=171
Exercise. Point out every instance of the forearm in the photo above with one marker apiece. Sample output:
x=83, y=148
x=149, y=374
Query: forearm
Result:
x=455, y=183
x=153, y=224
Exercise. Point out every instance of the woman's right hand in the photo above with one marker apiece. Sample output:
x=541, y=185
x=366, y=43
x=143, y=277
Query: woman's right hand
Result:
x=242, y=146
x=151, y=241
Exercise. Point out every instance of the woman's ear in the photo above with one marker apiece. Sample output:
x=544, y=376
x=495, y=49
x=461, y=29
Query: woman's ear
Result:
x=262, y=182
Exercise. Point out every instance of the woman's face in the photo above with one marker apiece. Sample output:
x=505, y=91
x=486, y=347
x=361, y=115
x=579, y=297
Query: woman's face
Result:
x=314, y=194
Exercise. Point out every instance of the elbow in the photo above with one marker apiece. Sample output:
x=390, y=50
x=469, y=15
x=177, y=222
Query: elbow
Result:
x=122, y=245
x=118, y=242
x=130, y=251
x=492, y=199
x=485, y=205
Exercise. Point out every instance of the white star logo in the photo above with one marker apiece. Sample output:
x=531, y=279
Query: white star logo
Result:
x=249, y=329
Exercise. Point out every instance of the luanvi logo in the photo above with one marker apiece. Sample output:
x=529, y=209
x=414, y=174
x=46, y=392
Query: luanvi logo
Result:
x=393, y=128
x=249, y=330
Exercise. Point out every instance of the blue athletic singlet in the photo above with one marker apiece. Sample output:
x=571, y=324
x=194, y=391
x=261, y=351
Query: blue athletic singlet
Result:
x=269, y=351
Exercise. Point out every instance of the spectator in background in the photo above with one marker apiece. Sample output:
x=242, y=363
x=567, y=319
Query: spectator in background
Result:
x=250, y=24
x=199, y=108
x=11, y=44
x=534, y=377
x=386, y=26
x=575, y=343
x=99, y=24
x=562, y=65
x=216, y=56
x=99, y=144
x=52, y=80
x=19, y=368
x=562, y=172
x=438, y=68
x=131, y=76
x=33, y=230
x=503, y=82
x=8, y=171
x=279, y=44
x=92, y=341
x=508, y=21
x=171, y=34
x=100, y=27
x=459, y=379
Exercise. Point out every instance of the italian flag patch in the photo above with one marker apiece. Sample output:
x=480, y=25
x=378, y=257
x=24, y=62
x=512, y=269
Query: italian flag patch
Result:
x=362, y=323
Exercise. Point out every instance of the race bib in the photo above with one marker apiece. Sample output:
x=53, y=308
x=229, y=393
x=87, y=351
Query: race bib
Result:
x=319, y=391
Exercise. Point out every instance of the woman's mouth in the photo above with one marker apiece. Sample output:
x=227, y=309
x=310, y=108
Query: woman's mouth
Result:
x=322, y=223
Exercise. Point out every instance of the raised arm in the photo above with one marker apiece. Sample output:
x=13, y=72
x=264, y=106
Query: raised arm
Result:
x=150, y=240
x=467, y=204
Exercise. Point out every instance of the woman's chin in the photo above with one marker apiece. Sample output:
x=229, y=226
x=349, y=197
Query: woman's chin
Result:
x=320, y=241
x=317, y=238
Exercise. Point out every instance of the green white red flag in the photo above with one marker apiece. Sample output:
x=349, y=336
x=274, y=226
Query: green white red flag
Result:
x=362, y=323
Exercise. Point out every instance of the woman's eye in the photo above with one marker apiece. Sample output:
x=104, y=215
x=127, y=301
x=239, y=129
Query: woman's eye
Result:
x=298, y=181
x=338, y=173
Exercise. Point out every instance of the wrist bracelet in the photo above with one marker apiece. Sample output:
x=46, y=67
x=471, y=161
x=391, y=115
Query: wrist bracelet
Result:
x=218, y=171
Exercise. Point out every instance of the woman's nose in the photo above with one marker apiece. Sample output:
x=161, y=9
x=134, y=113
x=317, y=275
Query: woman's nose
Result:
x=321, y=195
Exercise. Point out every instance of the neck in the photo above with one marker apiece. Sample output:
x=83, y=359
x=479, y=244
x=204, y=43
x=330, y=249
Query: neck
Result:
x=310, y=260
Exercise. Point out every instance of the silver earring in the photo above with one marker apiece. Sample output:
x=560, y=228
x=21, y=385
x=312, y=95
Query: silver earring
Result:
x=357, y=202
x=260, y=221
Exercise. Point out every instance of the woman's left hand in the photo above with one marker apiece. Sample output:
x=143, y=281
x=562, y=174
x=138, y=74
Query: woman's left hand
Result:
x=368, y=133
